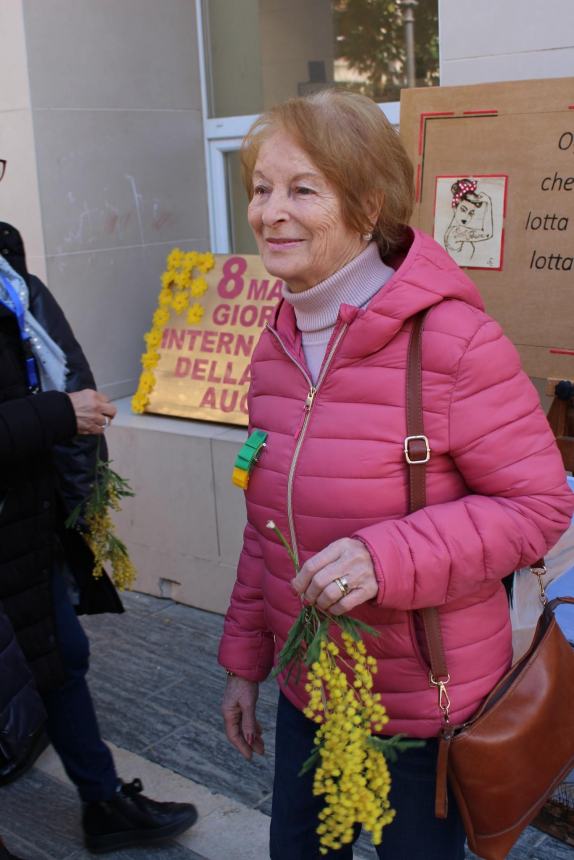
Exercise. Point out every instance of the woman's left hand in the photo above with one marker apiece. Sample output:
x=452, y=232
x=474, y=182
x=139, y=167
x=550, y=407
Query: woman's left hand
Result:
x=346, y=560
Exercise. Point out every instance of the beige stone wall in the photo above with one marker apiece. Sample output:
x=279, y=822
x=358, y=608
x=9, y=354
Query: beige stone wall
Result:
x=114, y=117
x=515, y=40
x=184, y=527
x=19, y=195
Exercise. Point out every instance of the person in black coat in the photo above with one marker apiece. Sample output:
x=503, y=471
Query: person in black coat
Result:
x=47, y=462
x=75, y=459
x=22, y=712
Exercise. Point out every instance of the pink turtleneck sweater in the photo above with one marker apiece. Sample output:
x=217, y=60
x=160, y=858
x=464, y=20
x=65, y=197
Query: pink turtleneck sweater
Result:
x=317, y=308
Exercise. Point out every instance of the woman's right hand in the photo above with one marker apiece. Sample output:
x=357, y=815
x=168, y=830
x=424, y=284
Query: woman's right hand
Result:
x=94, y=411
x=238, y=707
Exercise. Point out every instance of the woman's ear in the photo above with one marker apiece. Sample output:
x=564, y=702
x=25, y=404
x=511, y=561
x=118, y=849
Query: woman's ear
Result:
x=373, y=206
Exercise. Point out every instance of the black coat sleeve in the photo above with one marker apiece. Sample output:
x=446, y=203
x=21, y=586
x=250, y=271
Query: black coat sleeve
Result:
x=75, y=460
x=33, y=425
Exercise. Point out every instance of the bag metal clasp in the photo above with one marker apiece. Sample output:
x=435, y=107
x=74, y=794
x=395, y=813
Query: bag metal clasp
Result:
x=540, y=571
x=443, y=698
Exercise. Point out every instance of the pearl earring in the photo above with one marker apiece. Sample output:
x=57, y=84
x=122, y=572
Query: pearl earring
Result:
x=366, y=237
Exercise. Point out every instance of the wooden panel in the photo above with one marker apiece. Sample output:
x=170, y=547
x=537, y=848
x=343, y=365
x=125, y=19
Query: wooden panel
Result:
x=523, y=133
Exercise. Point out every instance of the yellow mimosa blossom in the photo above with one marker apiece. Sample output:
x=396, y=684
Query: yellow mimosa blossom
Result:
x=138, y=405
x=198, y=286
x=195, y=313
x=160, y=318
x=178, y=286
x=190, y=261
x=180, y=302
x=164, y=298
x=153, y=338
x=166, y=280
x=181, y=280
x=147, y=382
x=150, y=359
x=139, y=401
x=93, y=518
x=352, y=774
x=174, y=259
x=206, y=262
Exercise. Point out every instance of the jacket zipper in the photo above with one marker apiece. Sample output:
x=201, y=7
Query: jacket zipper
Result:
x=309, y=401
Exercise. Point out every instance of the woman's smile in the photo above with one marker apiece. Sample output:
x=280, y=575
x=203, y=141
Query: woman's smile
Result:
x=279, y=244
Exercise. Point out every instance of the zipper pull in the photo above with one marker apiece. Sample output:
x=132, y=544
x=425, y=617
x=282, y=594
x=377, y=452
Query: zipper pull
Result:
x=310, y=399
x=308, y=404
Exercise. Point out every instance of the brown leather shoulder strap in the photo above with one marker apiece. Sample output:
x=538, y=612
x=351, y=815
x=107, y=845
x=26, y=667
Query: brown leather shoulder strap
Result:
x=417, y=452
x=415, y=424
x=417, y=478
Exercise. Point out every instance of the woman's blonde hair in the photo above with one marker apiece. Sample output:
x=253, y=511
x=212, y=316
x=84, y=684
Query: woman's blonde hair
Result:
x=350, y=140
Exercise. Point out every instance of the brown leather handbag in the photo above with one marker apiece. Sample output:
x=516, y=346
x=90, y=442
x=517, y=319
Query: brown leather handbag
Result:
x=503, y=763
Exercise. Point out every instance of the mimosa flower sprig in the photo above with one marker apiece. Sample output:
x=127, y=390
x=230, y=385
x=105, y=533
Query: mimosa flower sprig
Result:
x=311, y=627
x=350, y=763
x=179, y=284
x=92, y=518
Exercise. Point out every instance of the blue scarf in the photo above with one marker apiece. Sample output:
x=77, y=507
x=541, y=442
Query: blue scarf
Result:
x=50, y=359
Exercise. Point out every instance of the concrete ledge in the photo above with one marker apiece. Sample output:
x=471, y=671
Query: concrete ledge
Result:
x=184, y=526
x=225, y=828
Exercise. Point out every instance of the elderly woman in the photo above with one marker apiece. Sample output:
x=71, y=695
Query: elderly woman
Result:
x=330, y=190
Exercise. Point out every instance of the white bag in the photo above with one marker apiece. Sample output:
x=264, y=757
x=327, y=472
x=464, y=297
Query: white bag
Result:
x=526, y=606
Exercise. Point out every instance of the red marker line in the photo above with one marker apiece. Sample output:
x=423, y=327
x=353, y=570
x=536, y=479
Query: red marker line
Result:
x=494, y=111
x=562, y=351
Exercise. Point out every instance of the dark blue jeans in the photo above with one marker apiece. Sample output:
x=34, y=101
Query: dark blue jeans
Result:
x=72, y=725
x=415, y=833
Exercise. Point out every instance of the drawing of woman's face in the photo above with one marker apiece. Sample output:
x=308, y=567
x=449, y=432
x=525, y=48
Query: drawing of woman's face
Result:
x=466, y=213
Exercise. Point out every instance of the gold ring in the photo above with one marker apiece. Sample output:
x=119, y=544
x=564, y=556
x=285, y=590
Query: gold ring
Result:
x=341, y=581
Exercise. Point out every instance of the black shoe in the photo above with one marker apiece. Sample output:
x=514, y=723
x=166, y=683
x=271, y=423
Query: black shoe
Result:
x=131, y=819
x=5, y=854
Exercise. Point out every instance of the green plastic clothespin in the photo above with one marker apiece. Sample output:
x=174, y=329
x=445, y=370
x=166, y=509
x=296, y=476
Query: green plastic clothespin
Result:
x=247, y=457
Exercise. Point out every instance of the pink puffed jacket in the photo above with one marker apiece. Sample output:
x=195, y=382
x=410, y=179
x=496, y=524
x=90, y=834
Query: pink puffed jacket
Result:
x=334, y=467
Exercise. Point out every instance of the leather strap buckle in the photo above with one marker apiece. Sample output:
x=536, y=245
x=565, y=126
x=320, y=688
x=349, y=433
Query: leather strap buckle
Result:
x=417, y=450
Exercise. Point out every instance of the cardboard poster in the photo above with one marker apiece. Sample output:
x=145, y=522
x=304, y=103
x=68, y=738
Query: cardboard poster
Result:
x=495, y=186
x=203, y=370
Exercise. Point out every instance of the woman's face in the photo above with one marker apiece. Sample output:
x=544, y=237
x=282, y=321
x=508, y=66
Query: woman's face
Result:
x=465, y=213
x=296, y=217
x=470, y=212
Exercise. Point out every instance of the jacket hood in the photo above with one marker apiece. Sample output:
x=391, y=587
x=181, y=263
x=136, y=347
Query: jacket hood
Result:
x=424, y=276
